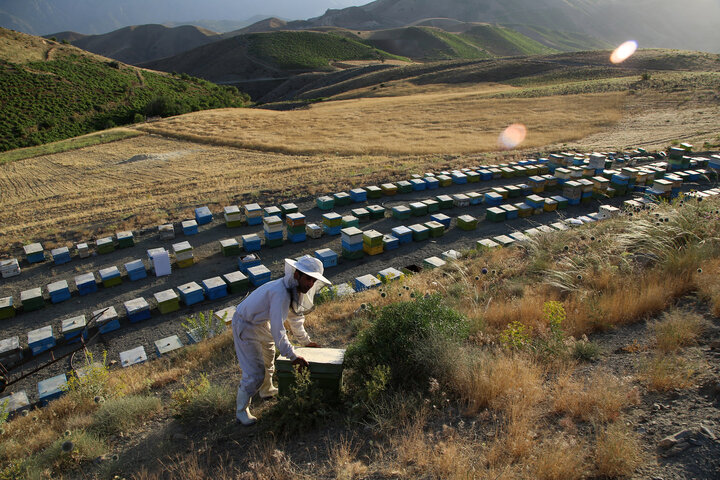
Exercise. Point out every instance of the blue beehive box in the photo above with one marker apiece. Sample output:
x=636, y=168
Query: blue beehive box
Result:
x=214, y=288
x=203, y=215
x=251, y=243
x=259, y=275
x=366, y=282
x=418, y=184
x=358, y=195
x=390, y=242
x=86, y=283
x=73, y=328
x=34, y=253
x=327, y=257
x=492, y=199
x=403, y=234
x=190, y=227
x=432, y=183
x=60, y=255
x=41, y=339
x=51, y=388
x=485, y=174
x=248, y=261
x=132, y=357
x=441, y=218
x=459, y=178
x=59, y=291
x=512, y=212
x=167, y=345
x=137, y=309
x=254, y=214
x=136, y=270
x=297, y=237
x=191, y=293
x=106, y=319
x=332, y=230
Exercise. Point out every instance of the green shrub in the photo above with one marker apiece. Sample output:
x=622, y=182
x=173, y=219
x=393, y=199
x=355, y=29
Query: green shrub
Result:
x=401, y=336
x=204, y=325
x=65, y=455
x=138, y=117
x=91, y=379
x=205, y=403
x=120, y=414
x=303, y=408
x=586, y=351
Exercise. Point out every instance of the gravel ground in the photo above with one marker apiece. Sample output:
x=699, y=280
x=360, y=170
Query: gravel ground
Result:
x=210, y=262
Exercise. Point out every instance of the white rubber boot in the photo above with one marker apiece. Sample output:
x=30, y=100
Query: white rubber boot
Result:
x=242, y=409
x=268, y=390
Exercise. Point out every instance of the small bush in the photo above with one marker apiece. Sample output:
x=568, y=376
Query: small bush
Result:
x=399, y=336
x=586, y=351
x=4, y=412
x=302, y=409
x=92, y=379
x=677, y=329
x=617, y=452
x=514, y=337
x=120, y=414
x=138, y=117
x=201, y=401
x=64, y=455
x=204, y=325
x=667, y=372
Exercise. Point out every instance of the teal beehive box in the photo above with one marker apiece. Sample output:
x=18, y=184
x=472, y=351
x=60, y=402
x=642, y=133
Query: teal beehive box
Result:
x=125, y=239
x=325, y=366
x=376, y=212
x=51, y=388
x=105, y=245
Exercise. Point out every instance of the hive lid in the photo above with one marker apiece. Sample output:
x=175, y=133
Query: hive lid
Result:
x=186, y=288
x=9, y=344
x=74, y=323
x=40, y=334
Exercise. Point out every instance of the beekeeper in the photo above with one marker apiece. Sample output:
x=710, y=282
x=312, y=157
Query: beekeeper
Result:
x=259, y=326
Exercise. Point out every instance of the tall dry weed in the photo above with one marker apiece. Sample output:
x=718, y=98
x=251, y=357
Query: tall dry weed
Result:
x=600, y=397
x=618, y=451
x=560, y=458
x=676, y=329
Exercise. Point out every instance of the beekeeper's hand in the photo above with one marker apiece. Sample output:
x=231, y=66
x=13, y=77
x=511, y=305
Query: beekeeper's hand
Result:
x=301, y=363
x=313, y=345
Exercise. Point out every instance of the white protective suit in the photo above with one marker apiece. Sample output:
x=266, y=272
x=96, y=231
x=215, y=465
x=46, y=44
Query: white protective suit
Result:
x=258, y=327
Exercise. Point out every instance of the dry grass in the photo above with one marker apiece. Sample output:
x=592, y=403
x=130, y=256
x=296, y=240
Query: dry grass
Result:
x=426, y=123
x=560, y=458
x=664, y=372
x=617, y=451
x=677, y=329
x=708, y=283
x=343, y=460
x=601, y=397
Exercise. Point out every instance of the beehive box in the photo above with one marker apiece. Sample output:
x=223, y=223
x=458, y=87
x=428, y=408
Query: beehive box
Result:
x=433, y=262
x=34, y=253
x=60, y=255
x=432, y=183
x=327, y=257
x=83, y=250
x=237, y=282
x=358, y=195
x=404, y=186
x=191, y=293
x=445, y=201
x=167, y=301
x=59, y=291
x=449, y=255
x=467, y=222
x=41, y=339
x=73, y=328
x=132, y=357
x=472, y=177
x=250, y=243
x=390, y=242
x=550, y=205
x=160, y=260
x=214, y=288
x=459, y=178
x=524, y=210
x=125, y=239
x=105, y=245
x=234, y=218
x=511, y=211
x=184, y=256
x=442, y=219
x=495, y=214
x=203, y=215
x=106, y=319
x=444, y=180
x=485, y=244
x=288, y=208
x=7, y=309
x=259, y=275
x=350, y=221
x=167, y=345
x=32, y=299
x=419, y=232
x=10, y=351
x=342, y=199
x=372, y=238
x=253, y=213
x=272, y=211
x=493, y=199
x=52, y=388
x=401, y=212
x=403, y=234
x=363, y=214
x=332, y=223
x=461, y=200
x=16, y=402
x=374, y=191
x=248, y=261
x=390, y=274
x=325, y=366
x=366, y=282
x=513, y=191
x=502, y=191
x=110, y=276
x=137, y=309
x=135, y=270
x=166, y=231
x=433, y=205
x=519, y=236
x=86, y=283
x=418, y=184
x=190, y=227
x=225, y=315
x=559, y=226
x=437, y=229
x=562, y=202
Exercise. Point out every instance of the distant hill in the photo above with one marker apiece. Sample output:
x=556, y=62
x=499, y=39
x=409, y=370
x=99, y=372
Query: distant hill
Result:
x=265, y=25
x=141, y=43
x=50, y=91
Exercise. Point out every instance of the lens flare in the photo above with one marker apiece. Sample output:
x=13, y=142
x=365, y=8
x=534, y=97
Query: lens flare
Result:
x=624, y=51
x=513, y=136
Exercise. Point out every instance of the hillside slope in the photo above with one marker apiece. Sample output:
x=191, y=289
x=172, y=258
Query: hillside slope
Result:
x=51, y=91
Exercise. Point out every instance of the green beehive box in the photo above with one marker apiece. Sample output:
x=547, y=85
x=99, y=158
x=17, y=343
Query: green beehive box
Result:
x=105, y=245
x=495, y=214
x=473, y=177
x=342, y=199
x=350, y=221
x=32, y=299
x=349, y=255
x=125, y=239
x=513, y=191
x=437, y=229
x=230, y=247
x=467, y=222
x=274, y=243
x=287, y=208
x=419, y=232
x=362, y=215
x=237, y=282
x=444, y=180
x=445, y=201
x=389, y=189
x=325, y=203
x=326, y=368
x=372, y=238
x=401, y=212
x=433, y=205
x=418, y=209
x=373, y=191
x=167, y=301
x=404, y=186
x=7, y=309
x=376, y=212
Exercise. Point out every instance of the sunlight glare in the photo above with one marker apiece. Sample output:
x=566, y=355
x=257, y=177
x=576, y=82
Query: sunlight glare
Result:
x=624, y=51
x=512, y=136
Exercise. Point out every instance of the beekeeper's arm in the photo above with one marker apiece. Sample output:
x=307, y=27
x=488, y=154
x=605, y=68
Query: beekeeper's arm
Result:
x=279, y=307
x=297, y=326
